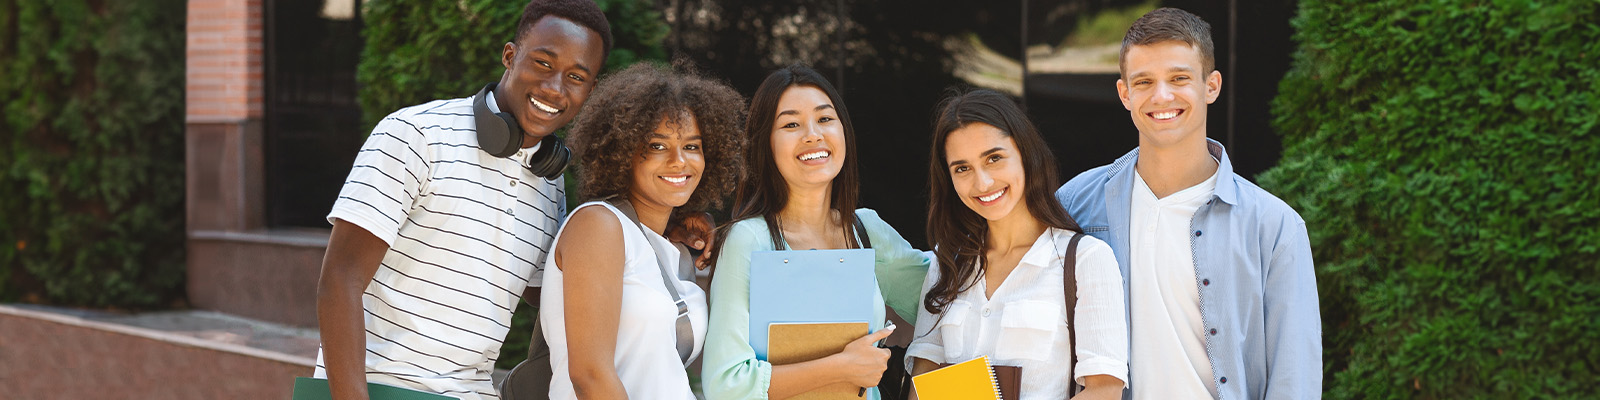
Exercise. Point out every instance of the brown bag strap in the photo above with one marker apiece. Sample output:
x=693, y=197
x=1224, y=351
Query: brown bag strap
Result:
x=1069, y=282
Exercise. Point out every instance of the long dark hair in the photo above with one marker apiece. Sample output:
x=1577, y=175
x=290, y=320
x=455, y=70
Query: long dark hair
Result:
x=764, y=191
x=958, y=234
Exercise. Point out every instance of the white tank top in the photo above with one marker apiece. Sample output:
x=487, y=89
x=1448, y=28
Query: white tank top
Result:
x=647, y=348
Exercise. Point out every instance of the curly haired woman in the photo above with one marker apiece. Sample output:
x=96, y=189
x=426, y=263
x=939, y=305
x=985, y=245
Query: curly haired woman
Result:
x=654, y=141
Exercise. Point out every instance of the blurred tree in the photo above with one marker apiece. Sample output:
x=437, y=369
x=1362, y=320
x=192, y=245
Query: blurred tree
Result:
x=422, y=50
x=91, y=152
x=1442, y=154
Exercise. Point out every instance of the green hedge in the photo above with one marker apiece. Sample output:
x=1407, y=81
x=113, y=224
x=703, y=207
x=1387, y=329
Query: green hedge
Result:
x=91, y=152
x=422, y=50
x=1444, y=155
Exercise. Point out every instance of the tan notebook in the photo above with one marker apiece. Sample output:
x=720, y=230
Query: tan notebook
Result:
x=971, y=380
x=789, y=343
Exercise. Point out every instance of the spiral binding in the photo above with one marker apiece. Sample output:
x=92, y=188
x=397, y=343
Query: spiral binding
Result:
x=994, y=380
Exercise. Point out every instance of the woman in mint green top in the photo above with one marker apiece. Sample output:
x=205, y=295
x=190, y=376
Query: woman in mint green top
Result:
x=801, y=194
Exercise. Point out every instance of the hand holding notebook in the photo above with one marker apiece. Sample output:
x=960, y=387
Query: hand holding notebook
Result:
x=801, y=342
x=810, y=286
x=810, y=304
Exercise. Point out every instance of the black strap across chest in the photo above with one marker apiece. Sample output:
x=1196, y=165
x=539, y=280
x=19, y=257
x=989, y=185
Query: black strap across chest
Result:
x=779, y=243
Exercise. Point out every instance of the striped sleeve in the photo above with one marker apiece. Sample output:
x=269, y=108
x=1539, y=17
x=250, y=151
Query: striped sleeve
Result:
x=536, y=279
x=388, y=176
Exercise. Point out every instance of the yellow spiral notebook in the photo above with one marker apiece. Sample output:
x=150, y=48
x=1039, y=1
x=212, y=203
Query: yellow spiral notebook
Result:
x=970, y=380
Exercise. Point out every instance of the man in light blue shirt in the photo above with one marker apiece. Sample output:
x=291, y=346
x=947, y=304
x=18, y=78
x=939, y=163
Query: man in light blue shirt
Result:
x=1221, y=289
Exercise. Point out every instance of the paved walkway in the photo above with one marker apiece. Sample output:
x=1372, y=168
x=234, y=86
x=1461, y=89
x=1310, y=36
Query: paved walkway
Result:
x=205, y=325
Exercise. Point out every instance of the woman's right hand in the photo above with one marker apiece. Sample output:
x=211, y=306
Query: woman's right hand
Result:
x=863, y=362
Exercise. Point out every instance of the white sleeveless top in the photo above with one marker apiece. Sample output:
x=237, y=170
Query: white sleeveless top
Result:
x=647, y=348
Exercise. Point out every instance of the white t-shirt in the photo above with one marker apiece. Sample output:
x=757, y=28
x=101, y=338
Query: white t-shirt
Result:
x=647, y=346
x=1025, y=324
x=1169, y=348
x=467, y=233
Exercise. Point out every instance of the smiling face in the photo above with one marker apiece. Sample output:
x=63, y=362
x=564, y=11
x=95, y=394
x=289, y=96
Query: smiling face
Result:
x=550, y=71
x=1166, y=92
x=808, y=143
x=986, y=170
x=666, y=173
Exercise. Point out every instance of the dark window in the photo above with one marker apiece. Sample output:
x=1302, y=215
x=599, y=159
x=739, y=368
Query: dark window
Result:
x=893, y=61
x=312, y=118
x=1071, y=84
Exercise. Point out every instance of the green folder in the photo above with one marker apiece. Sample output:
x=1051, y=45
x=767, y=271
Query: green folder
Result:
x=317, y=389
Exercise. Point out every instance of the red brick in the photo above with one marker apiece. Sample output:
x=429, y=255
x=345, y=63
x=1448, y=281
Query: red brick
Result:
x=224, y=58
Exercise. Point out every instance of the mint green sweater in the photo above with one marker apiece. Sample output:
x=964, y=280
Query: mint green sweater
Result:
x=730, y=368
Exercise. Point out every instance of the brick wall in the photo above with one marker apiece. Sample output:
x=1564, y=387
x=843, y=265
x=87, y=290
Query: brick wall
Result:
x=223, y=111
x=224, y=60
x=237, y=265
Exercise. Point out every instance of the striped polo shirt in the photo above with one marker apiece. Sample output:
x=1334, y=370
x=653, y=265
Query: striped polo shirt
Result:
x=467, y=232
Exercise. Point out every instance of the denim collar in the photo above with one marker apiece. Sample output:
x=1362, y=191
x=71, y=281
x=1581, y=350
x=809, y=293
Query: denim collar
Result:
x=1120, y=177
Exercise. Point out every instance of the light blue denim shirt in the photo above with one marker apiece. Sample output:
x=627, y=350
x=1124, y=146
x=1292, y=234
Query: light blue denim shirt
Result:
x=1252, y=259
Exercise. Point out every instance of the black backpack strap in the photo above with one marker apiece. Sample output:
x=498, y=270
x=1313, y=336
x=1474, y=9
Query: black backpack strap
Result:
x=530, y=379
x=1069, y=282
x=861, y=232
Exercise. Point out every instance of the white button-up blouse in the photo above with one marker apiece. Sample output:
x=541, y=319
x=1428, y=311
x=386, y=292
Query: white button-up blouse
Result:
x=1025, y=324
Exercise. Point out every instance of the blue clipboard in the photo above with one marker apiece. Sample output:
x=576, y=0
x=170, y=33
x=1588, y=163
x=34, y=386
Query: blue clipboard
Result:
x=810, y=286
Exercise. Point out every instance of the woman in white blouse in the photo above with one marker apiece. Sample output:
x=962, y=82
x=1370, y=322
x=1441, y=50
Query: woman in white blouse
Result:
x=652, y=142
x=1000, y=238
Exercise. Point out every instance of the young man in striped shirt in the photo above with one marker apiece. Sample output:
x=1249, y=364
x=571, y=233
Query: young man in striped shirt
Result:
x=434, y=239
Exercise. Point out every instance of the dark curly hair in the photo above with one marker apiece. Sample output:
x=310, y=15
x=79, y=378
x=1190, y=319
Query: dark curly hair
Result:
x=583, y=12
x=627, y=105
